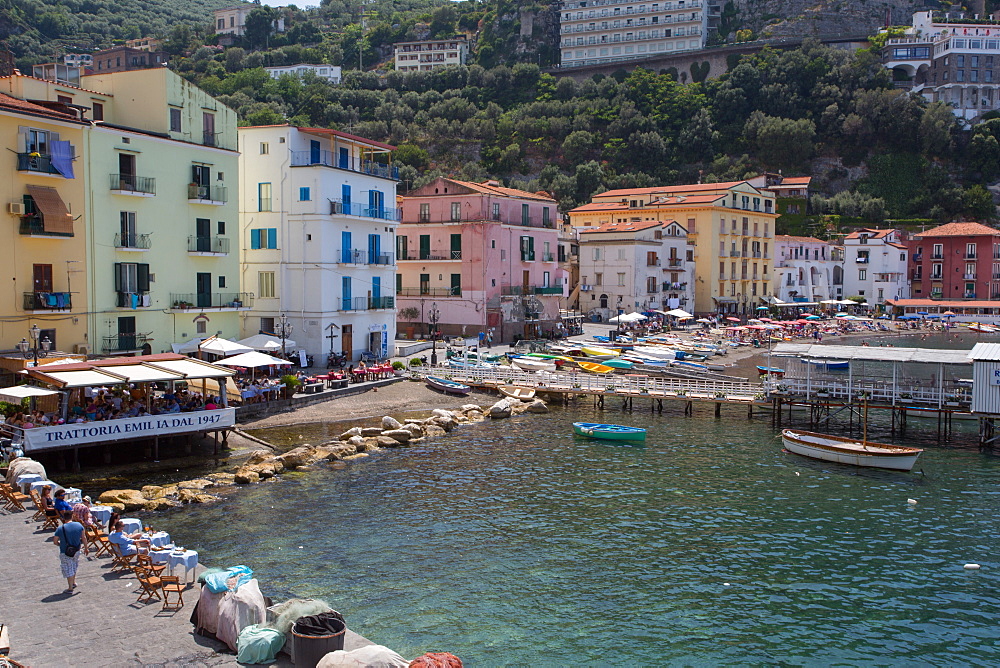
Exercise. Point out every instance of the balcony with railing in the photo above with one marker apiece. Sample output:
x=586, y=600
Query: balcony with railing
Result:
x=970, y=256
x=130, y=184
x=517, y=290
x=123, y=343
x=133, y=242
x=213, y=195
x=675, y=263
x=40, y=163
x=198, y=245
x=330, y=159
x=358, y=256
x=969, y=277
x=131, y=299
x=428, y=291
x=549, y=257
x=47, y=301
x=338, y=208
x=862, y=259
x=34, y=226
x=653, y=262
x=211, y=300
x=208, y=139
x=937, y=256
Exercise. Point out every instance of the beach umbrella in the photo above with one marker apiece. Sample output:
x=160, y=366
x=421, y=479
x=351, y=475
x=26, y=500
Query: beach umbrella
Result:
x=705, y=320
x=841, y=314
x=763, y=308
x=830, y=301
x=813, y=317
x=680, y=314
x=733, y=319
x=922, y=313
x=223, y=347
x=187, y=347
x=949, y=314
x=266, y=342
x=16, y=393
x=252, y=360
x=805, y=313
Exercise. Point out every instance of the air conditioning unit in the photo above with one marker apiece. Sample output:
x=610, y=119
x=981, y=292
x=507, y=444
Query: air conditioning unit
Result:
x=81, y=349
x=15, y=208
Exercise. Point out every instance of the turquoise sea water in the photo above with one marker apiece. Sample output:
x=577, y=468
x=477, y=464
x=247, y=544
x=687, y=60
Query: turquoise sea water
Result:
x=517, y=543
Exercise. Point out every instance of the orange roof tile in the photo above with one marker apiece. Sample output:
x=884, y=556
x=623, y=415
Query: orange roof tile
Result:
x=872, y=232
x=960, y=230
x=487, y=189
x=793, y=181
x=16, y=104
x=669, y=190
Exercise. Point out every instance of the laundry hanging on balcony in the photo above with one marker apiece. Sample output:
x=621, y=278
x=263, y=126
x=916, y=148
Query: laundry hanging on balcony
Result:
x=61, y=154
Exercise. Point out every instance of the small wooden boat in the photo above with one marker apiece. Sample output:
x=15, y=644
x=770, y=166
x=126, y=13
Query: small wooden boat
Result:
x=770, y=371
x=850, y=450
x=533, y=364
x=599, y=353
x=830, y=365
x=445, y=385
x=594, y=367
x=611, y=432
x=618, y=363
x=522, y=393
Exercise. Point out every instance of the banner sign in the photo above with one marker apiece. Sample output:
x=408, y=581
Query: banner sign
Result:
x=148, y=426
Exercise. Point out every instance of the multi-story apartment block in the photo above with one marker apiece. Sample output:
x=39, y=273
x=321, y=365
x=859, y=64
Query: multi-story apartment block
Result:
x=317, y=228
x=329, y=72
x=46, y=248
x=605, y=31
x=126, y=59
x=635, y=266
x=145, y=43
x=949, y=57
x=78, y=59
x=807, y=269
x=430, y=54
x=875, y=263
x=791, y=192
x=478, y=256
x=158, y=265
x=955, y=261
x=730, y=226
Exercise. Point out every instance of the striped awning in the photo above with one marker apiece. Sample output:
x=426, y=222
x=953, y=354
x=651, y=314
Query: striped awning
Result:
x=56, y=217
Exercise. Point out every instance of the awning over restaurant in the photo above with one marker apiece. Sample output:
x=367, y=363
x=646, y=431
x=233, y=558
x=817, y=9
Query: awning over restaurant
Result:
x=56, y=218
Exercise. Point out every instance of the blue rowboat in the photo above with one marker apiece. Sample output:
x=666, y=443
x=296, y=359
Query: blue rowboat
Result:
x=770, y=371
x=446, y=385
x=612, y=432
x=618, y=363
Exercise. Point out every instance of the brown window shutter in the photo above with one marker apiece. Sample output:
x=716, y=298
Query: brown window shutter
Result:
x=56, y=218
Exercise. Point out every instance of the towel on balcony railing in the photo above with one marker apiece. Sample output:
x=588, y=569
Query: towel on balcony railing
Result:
x=61, y=153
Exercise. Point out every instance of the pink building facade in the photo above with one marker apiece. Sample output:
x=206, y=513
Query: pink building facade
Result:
x=477, y=257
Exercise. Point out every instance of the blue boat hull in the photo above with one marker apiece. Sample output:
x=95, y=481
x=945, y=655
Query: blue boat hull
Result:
x=611, y=432
x=446, y=385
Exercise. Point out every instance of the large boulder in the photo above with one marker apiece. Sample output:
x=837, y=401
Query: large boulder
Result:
x=200, y=483
x=440, y=412
x=130, y=499
x=401, y=435
x=246, y=477
x=538, y=406
x=221, y=478
x=390, y=423
x=300, y=456
x=518, y=407
x=341, y=451
x=258, y=456
x=434, y=430
x=357, y=441
x=446, y=423
x=466, y=408
x=161, y=503
x=416, y=430
x=154, y=492
x=501, y=409
x=353, y=431
x=475, y=416
x=370, y=431
x=387, y=442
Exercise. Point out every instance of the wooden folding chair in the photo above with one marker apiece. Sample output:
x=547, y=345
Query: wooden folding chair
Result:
x=100, y=542
x=146, y=562
x=171, y=584
x=51, y=520
x=36, y=499
x=13, y=499
x=149, y=585
x=121, y=561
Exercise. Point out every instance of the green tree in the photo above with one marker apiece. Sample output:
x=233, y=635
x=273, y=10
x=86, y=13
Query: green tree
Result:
x=578, y=146
x=780, y=143
x=259, y=25
x=979, y=203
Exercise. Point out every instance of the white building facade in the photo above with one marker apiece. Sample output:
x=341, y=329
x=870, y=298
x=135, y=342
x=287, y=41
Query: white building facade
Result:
x=605, y=31
x=807, y=269
x=232, y=20
x=318, y=228
x=875, y=262
x=636, y=266
x=428, y=55
x=329, y=72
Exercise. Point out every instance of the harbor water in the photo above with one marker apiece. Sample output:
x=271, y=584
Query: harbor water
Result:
x=518, y=543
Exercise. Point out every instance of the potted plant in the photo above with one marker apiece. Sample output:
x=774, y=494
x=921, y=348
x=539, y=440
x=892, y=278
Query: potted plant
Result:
x=415, y=362
x=291, y=383
x=398, y=368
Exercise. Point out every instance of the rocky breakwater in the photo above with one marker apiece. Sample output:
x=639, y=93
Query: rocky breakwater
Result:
x=356, y=442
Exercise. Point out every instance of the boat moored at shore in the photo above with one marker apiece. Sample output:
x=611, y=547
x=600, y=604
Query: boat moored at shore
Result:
x=852, y=451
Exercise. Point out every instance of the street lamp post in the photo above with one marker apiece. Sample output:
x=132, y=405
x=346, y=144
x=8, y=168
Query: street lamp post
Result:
x=36, y=348
x=285, y=331
x=434, y=316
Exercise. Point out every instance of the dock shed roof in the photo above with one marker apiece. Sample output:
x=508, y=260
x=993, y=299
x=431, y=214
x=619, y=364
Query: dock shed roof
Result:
x=875, y=354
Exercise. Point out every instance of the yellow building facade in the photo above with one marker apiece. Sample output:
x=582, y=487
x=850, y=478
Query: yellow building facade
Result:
x=731, y=226
x=43, y=253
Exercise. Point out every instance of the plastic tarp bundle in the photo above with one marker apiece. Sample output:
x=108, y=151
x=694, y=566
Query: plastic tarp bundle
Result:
x=230, y=579
x=208, y=611
x=24, y=466
x=238, y=610
x=285, y=613
x=369, y=656
x=259, y=644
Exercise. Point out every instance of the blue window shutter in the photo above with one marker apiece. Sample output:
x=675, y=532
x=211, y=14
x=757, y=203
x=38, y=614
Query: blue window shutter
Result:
x=254, y=239
x=345, y=292
x=376, y=287
x=304, y=195
x=272, y=237
x=345, y=196
x=345, y=246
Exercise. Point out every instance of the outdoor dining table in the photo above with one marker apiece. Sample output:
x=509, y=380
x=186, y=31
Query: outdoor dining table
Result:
x=38, y=484
x=101, y=513
x=131, y=524
x=186, y=558
x=26, y=479
x=158, y=538
x=73, y=495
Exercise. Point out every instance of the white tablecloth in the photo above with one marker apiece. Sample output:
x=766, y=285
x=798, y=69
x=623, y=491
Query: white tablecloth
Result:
x=188, y=559
x=158, y=538
x=38, y=484
x=160, y=556
x=102, y=513
x=73, y=495
x=24, y=480
x=131, y=525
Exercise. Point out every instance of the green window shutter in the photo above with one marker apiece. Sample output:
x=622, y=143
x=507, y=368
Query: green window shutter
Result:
x=118, y=276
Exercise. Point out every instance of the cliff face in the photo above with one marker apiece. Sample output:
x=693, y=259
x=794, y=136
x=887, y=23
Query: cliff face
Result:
x=823, y=18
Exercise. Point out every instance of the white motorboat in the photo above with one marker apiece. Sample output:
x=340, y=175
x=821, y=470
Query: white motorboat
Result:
x=533, y=364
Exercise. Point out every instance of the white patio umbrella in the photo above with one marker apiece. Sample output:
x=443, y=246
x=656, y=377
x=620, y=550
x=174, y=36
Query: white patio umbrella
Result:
x=266, y=342
x=680, y=314
x=187, y=347
x=628, y=317
x=252, y=360
x=219, y=346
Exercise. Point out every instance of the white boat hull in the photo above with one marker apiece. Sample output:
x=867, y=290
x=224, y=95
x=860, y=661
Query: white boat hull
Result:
x=933, y=414
x=533, y=364
x=848, y=451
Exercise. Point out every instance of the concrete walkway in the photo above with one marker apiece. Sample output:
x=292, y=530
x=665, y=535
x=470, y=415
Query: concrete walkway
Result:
x=100, y=624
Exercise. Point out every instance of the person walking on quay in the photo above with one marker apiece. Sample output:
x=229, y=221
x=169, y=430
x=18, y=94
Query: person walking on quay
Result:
x=70, y=538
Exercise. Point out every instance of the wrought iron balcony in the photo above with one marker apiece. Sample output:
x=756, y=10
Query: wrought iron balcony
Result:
x=36, y=162
x=367, y=303
x=120, y=343
x=131, y=299
x=208, y=194
x=34, y=226
x=215, y=300
x=338, y=207
x=211, y=245
x=358, y=256
x=130, y=184
x=331, y=159
x=429, y=292
x=133, y=241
